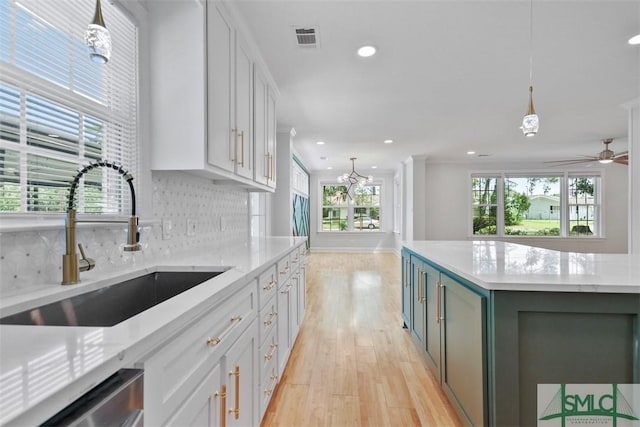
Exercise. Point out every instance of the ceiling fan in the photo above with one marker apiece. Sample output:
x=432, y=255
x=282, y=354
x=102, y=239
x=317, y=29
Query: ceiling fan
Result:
x=605, y=156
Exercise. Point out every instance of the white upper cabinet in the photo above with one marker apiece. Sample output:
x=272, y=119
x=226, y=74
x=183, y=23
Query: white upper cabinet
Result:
x=202, y=95
x=264, y=129
x=220, y=46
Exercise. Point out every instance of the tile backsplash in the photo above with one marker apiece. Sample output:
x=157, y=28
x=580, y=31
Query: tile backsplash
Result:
x=218, y=216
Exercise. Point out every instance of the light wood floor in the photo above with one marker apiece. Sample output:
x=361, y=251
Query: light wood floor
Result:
x=353, y=364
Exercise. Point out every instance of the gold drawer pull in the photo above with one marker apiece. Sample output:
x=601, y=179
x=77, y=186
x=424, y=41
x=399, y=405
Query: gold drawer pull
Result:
x=211, y=342
x=269, y=321
x=269, y=355
x=273, y=378
x=270, y=285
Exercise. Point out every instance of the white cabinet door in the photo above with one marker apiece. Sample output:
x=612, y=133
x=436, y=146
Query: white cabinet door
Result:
x=242, y=372
x=204, y=406
x=261, y=159
x=220, y=43
x=243, y=130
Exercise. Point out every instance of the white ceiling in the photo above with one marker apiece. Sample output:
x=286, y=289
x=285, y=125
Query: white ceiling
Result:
x=449, y=76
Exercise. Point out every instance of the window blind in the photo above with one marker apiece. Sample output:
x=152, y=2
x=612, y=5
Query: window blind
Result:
x=60, y=111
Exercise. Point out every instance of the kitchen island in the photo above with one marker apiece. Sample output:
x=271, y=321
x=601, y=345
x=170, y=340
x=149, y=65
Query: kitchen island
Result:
x=495, y=319
x=45, y=368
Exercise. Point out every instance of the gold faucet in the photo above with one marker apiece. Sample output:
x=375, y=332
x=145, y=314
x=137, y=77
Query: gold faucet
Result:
x=71, y=265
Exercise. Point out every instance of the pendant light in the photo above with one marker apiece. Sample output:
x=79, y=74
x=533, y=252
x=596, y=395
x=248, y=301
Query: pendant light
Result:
x=530, y=122
x=354, y=178
x=97, y=38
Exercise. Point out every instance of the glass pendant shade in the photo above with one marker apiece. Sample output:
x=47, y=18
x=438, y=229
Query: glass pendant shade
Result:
x=98, y=39
x=530, y=122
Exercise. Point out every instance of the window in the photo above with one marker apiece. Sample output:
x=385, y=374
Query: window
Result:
x=536, y=205
x=584, y=209
x=60, y=111
x=342, y=213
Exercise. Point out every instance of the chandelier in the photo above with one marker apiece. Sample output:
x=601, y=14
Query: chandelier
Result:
x=354, y=178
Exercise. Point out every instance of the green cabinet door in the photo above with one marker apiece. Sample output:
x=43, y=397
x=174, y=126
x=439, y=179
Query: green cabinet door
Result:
x=418, y=312
x=462, y=320
x=432, y=342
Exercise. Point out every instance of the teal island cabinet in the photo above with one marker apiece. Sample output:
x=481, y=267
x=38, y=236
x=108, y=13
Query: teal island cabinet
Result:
x=495, y=319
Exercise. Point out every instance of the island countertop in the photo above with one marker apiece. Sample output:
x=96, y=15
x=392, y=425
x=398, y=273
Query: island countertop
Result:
x=495, y=265
x=44, y=368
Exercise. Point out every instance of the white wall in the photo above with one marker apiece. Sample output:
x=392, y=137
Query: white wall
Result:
x=356, y=241
x=447, y=218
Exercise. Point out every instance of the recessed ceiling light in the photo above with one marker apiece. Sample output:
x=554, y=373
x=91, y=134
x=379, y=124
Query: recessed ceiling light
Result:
x=388, y=141
x=320, y=142
x=471, y=153
x=374, y=167
x=635, y=39
x=366, y=51
x=330, y=167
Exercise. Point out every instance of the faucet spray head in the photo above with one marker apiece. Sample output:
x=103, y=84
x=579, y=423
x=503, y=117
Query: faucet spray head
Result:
x=133, y=236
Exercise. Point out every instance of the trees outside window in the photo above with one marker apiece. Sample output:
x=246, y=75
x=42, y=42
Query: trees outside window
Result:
x=535, y=205
x=360, y=212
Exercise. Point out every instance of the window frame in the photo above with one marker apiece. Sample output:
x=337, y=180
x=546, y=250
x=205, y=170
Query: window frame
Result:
x=565, y=176
x=89, y=110
x=350, y=206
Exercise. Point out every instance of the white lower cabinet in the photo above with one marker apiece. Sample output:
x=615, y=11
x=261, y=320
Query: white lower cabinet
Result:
x=241, y=378
x=204, y=406
x=174, y=373
x=223, y=369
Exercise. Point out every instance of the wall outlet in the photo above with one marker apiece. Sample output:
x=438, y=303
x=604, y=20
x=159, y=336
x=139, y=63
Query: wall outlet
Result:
x=167, y=229
x=191, y=227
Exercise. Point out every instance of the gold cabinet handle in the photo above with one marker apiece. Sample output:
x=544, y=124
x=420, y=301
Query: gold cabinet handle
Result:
x=274, y=380
x=419, y=284
x=271, y=167
x=269, y=355
x=211, y=342
x=286, y=291
x=269, y=286
x=267, y=166
x=223, y=405
x=234, y=158
x=236, y=411
x=424, y=287
x=242, y=148
x=269, y=321
x=439, y=285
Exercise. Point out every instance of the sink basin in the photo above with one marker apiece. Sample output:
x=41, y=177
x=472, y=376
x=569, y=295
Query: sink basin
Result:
x=112, y=304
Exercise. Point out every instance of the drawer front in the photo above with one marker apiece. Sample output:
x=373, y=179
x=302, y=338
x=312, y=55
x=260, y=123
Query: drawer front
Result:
x=176, y=369
x=268, y=387
x=267, y=285
x=268, y=319
x=295, y=258
x=268, y=354
x=284, y=269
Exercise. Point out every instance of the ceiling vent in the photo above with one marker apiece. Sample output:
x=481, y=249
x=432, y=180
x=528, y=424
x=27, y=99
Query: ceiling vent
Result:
x=306, y=36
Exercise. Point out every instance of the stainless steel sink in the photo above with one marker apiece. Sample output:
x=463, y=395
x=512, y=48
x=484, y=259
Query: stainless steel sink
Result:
x=113, y=304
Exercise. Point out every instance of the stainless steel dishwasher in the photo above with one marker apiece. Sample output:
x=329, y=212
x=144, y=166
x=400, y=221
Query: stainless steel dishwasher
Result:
x=117, y=401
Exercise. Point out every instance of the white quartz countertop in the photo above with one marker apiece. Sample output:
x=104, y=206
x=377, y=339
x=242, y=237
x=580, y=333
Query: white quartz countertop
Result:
x=44, y=368
x=496, y=265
